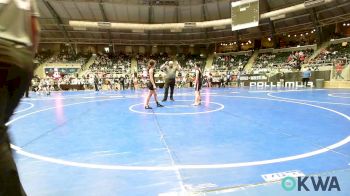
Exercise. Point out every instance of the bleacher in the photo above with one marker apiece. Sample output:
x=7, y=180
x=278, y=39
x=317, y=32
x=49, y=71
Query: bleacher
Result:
x=335, y=51
x=142, y=60
x=66, y=63
x=112, y=63
x=281, y=60
x=42, y=56
x=188, y=60
x=268, y=62
x=65, y=57
x=230, y=62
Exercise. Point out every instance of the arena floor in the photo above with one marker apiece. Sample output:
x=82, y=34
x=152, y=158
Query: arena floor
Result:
x=105, y=143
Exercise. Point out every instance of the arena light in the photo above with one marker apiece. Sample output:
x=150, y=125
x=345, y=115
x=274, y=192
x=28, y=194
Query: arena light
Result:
x=128, y=26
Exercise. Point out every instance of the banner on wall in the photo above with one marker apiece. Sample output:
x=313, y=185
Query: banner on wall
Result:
x=295, y=84
x=253, y=77
x=62, y=71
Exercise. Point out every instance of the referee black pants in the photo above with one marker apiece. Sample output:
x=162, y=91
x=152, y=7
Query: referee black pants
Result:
x=14, y=81
x=169, y=83
x=305, y=81
x=96, y=86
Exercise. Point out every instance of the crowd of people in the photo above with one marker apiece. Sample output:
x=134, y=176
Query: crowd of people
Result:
x=87, y=82
x=69, y=57
x=336, y=56
x=113, y=71
x=143, y=59
x=42, y=56
x=120, y=63
x=333, y=52
x=287, y=61
x=230, y=62
x=188, y=60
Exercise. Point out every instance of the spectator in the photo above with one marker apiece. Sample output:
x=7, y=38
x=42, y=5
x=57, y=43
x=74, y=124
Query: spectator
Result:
x=210, y=80
x=122, y=82
x=306, y=76
x=339, y=69
x=96, y=82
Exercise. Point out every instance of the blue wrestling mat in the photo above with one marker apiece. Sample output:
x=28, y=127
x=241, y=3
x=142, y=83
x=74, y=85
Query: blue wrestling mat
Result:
x=238, y=142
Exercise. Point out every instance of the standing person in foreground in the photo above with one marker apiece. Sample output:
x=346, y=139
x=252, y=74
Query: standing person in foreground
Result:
x=306, y=76
x=151, y=84
x=170, y=70
x=198, y=85
x=210, y=80
x=122, y=83
x=96, y=82
x=339, y=69
x=19, y=36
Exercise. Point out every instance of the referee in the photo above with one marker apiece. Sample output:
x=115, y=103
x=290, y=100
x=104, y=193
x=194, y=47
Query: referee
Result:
x=170, y=71
x=19, y=33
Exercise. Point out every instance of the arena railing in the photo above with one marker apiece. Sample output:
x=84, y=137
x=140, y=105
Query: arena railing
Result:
x=292, y=49
x=249, y=52
x=340, y=40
